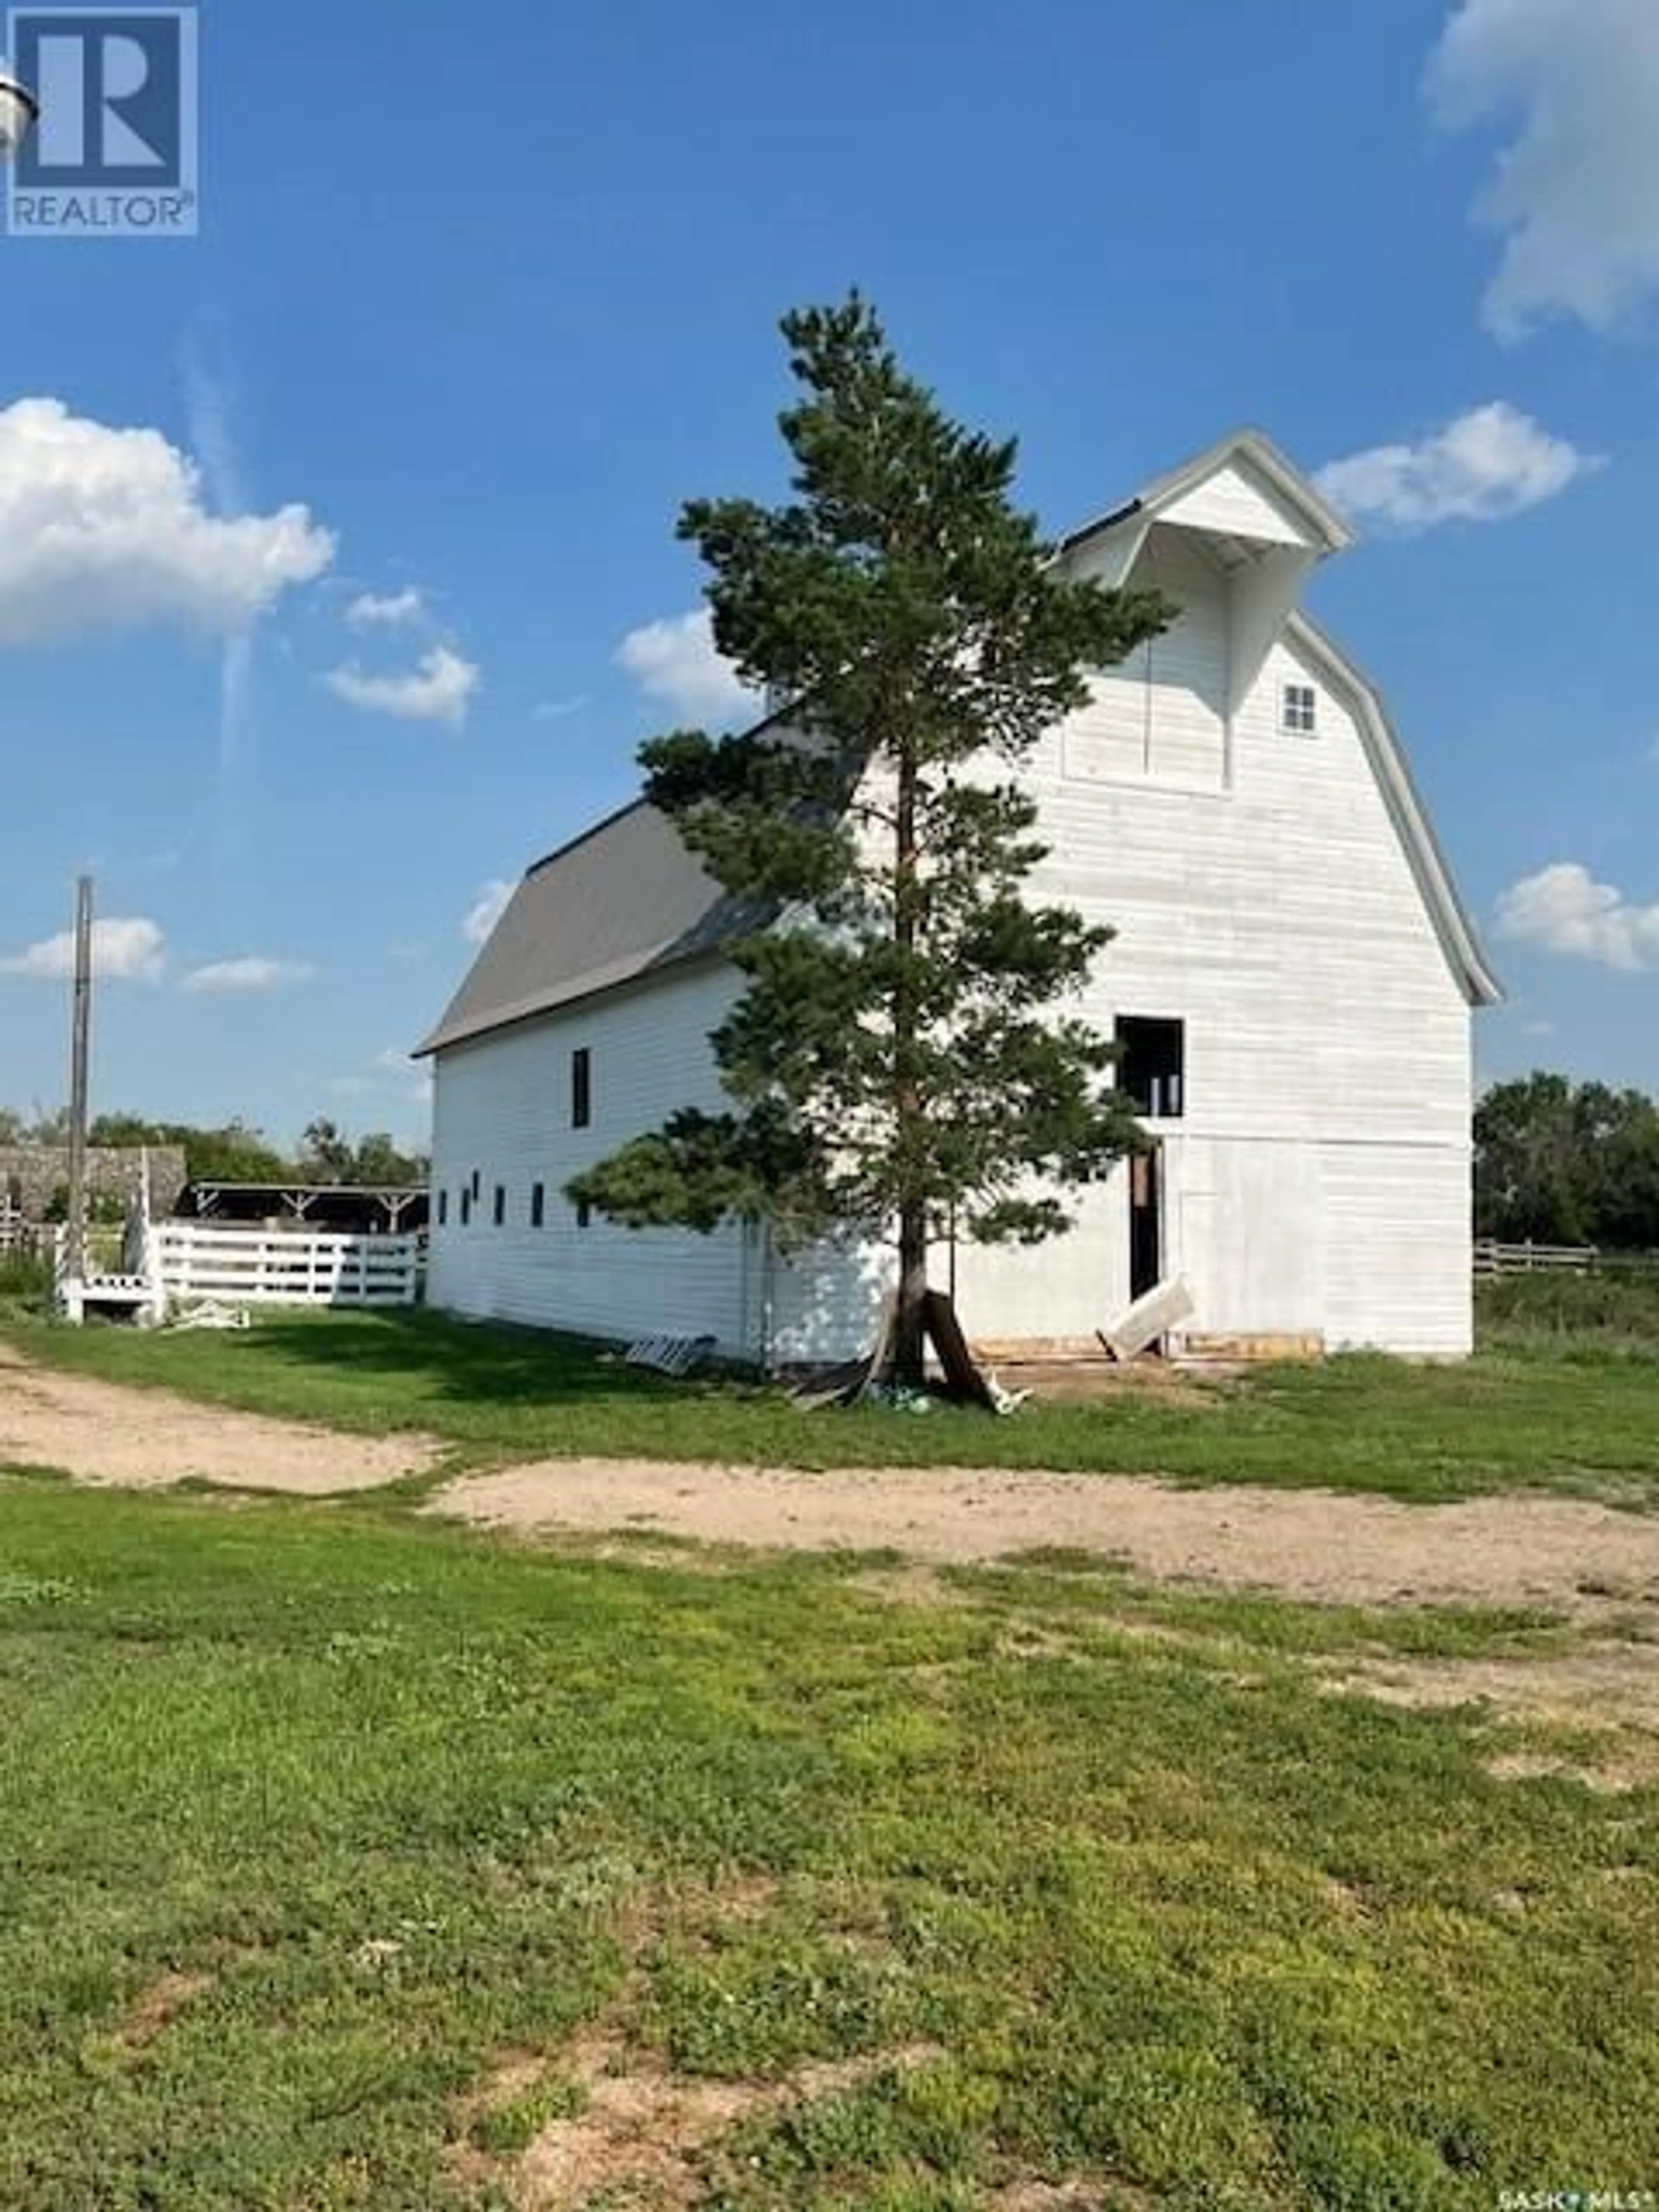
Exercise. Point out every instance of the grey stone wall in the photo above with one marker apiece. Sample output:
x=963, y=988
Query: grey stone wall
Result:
x=30, y=1174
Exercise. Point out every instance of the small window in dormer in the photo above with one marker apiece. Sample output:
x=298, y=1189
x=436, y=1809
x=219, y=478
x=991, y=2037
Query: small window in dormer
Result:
x=1299, y=710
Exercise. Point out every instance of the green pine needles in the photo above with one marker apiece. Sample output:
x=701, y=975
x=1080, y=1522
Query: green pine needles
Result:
x=903, y=1054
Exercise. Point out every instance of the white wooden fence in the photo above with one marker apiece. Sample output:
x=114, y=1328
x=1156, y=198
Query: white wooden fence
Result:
x=20, y=1237
x=196, y=1260
x=1491, y=1258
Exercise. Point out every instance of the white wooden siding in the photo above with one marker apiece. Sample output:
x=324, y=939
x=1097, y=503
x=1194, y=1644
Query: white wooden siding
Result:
x=1238, y=500
x=1160, y=716
x=1317, y=1182
x=1399, y=1263
x=1325, y=1035
x=502, y=1107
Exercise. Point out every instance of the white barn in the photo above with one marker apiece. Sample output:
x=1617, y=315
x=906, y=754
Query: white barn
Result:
x=1294, y=978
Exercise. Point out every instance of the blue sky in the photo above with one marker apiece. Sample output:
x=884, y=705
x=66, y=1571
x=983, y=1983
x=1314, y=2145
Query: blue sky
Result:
x=481, y=297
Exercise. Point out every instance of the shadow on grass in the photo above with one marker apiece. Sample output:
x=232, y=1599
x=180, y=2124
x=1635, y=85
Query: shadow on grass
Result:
x=489, y=1363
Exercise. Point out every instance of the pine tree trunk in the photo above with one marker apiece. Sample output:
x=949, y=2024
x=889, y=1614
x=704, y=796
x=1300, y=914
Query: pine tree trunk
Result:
x=909, y=1334
x=909, y=1342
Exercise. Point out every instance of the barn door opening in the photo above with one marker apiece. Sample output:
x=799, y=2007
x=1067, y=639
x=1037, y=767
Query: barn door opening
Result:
x=1145, y=1222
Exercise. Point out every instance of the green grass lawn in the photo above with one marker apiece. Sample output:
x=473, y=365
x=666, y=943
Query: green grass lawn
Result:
x=312, y=1818
x=1576, y=1414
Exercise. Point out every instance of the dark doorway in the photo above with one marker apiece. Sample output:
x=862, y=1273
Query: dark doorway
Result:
x=1145, y=1222
x=1153, y=1064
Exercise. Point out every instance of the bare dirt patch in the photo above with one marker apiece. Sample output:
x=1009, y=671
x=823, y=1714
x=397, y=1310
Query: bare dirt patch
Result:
x=1069, y=2197
x=1322, y=1546
x=105, y=1432
x=1611, y=1774
x=1607, y=1685
x=626, y=2128
x=642, y=2128
x=158, y=2007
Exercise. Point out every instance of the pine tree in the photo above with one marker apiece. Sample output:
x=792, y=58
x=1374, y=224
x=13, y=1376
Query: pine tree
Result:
x=903, y=1055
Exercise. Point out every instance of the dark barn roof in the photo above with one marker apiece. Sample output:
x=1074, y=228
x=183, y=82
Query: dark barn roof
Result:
x=622, y=900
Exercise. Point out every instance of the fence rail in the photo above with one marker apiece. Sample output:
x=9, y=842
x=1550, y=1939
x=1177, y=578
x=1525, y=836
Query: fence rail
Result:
x=23, y=1239
x=1491, y=1258
x=253, y=1266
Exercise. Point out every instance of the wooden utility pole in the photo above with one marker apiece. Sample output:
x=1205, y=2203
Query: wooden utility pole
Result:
x=74, y=1253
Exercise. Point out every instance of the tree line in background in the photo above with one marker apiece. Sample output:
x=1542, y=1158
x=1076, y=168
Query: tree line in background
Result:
x=236, y=1152
x=1566, y=1163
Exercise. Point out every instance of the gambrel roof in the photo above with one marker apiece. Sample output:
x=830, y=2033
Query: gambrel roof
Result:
x=623, y=898
x=1422, y=848
x=626, y=900
x=1243, y=492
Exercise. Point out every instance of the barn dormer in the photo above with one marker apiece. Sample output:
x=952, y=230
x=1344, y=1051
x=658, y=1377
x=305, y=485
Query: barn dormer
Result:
x=1230, y=538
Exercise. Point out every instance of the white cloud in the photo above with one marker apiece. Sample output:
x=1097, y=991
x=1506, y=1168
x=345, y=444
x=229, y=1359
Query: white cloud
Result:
x=557, y=710
x=486, y=910
x=387, y=611
x=675, y=660
x=252, y=974
x=1563, y=909
x=441, y=689
x=126, y=950
x=106, y=529
x=1575, y=189
x=1484, y=465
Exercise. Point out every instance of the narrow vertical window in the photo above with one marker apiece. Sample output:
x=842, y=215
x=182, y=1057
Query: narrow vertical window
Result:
x=478, y=1185
x=466, y=1209
x=584, y=1213
x=538, y=1204
x=501, y=1206
x=443, y=1209
x=581, y=1088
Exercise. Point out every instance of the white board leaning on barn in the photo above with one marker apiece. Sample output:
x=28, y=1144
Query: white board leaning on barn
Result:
x=1292, y=977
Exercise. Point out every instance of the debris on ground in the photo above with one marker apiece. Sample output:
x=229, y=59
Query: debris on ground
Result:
x=671, y=1355
x=867, y=1381
x=1149, y=1319
x=210, y=1313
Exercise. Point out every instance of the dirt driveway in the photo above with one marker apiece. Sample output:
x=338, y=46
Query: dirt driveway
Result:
x=147, y=1439
x=1584, y=1559
x=1303, y=1543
